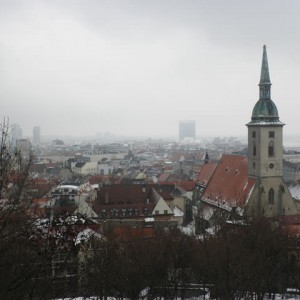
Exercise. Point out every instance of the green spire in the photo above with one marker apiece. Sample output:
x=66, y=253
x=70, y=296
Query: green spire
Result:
x=265, y=111
x=264, y=75
x=264, y=83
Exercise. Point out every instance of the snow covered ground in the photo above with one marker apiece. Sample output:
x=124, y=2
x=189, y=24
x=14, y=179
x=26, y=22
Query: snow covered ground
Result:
x=277, y=297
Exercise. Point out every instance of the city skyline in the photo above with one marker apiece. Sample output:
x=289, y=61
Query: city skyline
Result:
x=136, y=68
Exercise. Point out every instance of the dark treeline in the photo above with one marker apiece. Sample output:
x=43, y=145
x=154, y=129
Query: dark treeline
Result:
x=240, y=262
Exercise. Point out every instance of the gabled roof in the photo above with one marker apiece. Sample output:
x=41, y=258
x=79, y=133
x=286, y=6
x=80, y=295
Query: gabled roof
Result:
x=162, y=206
x=125, y=192
x=206, y=172
x=229, y=184
x=123, y=196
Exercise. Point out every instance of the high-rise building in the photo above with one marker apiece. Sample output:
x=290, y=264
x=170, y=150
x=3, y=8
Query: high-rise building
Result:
x=187, y=130
x=24, y=147
x=16, y=133
x=36, y=135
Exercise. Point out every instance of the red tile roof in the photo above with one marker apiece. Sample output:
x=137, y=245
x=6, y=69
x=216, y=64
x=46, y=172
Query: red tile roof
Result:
x=125, y=196
x=187, y=185
x=96, y=179
x=166, y=195
x=206, y=172
x=163, y=177
x=229, y=183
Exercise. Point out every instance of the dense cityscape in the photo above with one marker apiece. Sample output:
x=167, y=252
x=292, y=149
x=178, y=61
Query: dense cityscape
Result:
x=140, y=160
x=152, y=219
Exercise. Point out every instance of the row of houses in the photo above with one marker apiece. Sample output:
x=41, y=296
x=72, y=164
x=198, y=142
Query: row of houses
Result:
x=134, y=205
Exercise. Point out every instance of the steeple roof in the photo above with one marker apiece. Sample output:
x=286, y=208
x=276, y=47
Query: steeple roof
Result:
x=265, y=110
x=264, y=74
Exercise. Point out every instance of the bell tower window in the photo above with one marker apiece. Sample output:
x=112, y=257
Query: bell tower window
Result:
x=271, y=149
x=254, y=149
x=271, y=134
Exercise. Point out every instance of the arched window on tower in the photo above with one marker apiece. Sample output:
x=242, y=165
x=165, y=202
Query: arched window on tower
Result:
x=271, y=149
x=254, y=149
x=271, y=196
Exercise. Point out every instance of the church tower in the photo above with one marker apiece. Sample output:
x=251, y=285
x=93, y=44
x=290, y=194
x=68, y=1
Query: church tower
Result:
x=265, y=149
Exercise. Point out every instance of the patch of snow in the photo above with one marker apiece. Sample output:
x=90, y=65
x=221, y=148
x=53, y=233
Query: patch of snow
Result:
x=177, y=212
x=295, y=191
x=188, y=230
x=149, y=219
x=84, y=235
x=71, y=187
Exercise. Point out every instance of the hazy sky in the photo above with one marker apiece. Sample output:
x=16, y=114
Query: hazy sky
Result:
x=78, y=67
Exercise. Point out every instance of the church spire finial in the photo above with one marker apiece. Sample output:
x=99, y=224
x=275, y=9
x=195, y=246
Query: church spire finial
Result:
x=206, y=159
x=265, y=82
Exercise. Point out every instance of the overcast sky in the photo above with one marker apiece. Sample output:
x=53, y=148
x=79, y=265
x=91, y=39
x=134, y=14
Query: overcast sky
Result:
x=79, y=67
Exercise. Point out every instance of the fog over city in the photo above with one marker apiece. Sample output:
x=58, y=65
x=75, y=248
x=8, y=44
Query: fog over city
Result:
x=137, y=68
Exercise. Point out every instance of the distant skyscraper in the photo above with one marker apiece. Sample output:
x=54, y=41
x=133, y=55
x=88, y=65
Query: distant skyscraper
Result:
x=36, y=138
x=16, y=133
x=187, y=129
x=24, y=146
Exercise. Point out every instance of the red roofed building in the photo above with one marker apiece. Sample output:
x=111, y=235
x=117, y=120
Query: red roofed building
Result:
x=131, y=204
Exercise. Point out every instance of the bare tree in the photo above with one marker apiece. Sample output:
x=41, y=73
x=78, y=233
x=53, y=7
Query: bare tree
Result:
x=21, y=264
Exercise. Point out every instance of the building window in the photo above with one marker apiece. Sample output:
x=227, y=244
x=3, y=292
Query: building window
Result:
x=254, y=149
x=271, y=196
x=103, y=213
x=254, y=134
x=271, y=149
x=271, y=134
x=253, y=165
x=157, y=212
x=165, y=211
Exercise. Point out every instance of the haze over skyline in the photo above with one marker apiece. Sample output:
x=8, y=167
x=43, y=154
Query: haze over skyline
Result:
x=137, y=68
